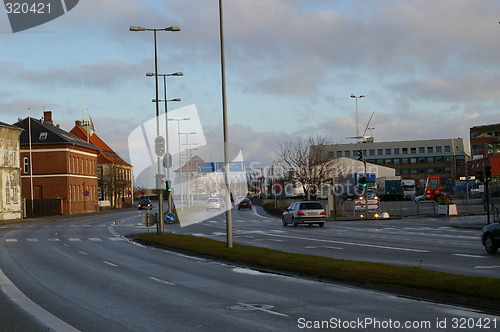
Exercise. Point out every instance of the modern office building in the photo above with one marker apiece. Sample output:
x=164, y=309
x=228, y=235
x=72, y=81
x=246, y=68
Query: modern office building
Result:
x=411, y=159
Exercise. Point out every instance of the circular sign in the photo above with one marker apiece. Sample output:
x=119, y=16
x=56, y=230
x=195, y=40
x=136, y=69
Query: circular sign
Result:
x=170, y=217
x=85, y=193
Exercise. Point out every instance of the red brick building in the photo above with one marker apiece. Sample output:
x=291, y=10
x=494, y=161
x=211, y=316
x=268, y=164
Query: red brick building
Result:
x=57, y=168
x=485, y=149
x=113, y=173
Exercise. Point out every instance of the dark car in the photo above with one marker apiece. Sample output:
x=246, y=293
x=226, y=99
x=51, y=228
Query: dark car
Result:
x=305, y=212
x=491, y=237
x=245, y=203
x=145, y=204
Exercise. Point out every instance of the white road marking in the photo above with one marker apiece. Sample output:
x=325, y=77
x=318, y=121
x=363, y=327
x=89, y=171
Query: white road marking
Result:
x=320, y=247
x=95, y=239
x=109, y=263
x=52, y=322
x=82, y=252
x=351, y=243
x=54, y=239
x=487, y=267
x=74, y=239
x=162, y=281
x=11, y=240
x=265, y=310
x=471, y=256
x=32, y=240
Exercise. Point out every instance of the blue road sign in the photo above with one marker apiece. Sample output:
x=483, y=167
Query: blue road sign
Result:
x=234, y=166
x=170, y=217
x=208, y=167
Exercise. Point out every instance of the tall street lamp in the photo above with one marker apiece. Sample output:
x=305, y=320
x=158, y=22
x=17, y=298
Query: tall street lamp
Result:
x=179, y=141
x=158, y=174
x=357, y=97
x=168, y=164
x=180, y=169
x=229, y=218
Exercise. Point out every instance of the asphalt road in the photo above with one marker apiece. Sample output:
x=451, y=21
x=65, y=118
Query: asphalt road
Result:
x=80, y=273
x=449, y=244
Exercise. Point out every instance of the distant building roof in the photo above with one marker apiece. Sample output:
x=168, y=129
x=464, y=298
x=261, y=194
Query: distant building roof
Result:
x=108, y=155
x=191, y=165
x=6, y=125
x=44, y=132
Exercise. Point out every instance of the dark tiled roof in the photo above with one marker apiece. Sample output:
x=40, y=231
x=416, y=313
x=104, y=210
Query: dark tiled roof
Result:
x=108, y=155
x=46, y=133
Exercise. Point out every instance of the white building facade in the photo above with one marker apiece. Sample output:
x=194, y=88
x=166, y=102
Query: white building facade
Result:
x=10, y=173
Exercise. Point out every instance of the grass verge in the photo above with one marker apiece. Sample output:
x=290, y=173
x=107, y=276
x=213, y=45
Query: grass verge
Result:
x=481, y=292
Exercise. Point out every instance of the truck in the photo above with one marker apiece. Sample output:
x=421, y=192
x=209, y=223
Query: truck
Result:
x=394, y=188
x=353, y=185
x=409, y=188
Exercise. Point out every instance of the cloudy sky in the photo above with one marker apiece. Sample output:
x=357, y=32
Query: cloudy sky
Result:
x=429, y=69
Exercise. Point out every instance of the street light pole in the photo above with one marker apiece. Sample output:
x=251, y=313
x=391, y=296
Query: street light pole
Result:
x=161, y=221
x=357, y=97
x=179, y=153
x=229, y=218
x=187, y=164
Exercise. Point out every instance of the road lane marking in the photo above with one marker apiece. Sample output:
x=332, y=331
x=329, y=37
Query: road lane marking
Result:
x=255, y=307
x=52, y=322
x=321, y=247
x=11, y=240
x=74, y=239
x=351, y=243
x=54, y=239
x=162, y=281
x=94, y=239
x=82, y=252
x=116, y=239
x=32, y=240
x=109, y=263
x=487, y=267
x=471, y=256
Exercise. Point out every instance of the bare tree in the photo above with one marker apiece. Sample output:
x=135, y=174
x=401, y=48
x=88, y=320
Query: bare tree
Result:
x=308, y=161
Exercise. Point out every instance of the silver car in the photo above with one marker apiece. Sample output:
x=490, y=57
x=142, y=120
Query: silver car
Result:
x=305, y=212
x=213, y=203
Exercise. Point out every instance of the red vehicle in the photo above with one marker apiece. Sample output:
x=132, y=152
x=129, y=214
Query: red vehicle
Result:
x=433, y=190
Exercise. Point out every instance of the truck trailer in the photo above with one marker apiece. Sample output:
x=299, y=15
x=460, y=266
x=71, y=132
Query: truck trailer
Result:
x=393, y=188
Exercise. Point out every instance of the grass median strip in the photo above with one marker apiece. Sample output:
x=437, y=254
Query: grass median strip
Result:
x=374, y=275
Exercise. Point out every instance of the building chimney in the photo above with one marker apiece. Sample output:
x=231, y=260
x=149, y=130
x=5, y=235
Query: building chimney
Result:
x=47, y=117
x=78, y=123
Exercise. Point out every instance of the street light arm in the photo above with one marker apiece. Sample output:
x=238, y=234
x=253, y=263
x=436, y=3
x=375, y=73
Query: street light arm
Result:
x=174, y=28
x=136, y=28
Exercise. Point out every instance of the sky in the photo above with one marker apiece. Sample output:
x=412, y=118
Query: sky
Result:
x=428, y=69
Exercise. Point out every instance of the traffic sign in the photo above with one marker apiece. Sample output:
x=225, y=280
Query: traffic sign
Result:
x=170, y=217
x=167, y=160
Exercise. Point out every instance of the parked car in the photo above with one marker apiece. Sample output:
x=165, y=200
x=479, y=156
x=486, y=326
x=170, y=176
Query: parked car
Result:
x=239, y=199
x=490, y=237
x=245, y=203
x=304, y=212
x=145, y=204
x=213, y=203
x=418, y=198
